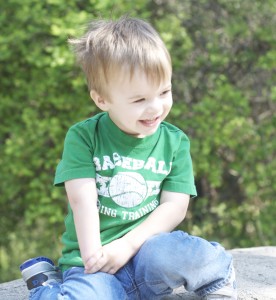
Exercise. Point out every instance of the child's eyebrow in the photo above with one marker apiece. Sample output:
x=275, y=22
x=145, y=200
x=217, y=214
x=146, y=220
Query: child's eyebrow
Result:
x=169, y=86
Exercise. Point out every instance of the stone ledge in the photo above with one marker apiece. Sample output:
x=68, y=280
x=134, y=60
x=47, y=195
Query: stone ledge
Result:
x=255, y=270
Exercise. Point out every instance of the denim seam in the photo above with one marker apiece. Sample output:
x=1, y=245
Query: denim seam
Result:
x=213, y=288
x=176, y=285
x=134, y=285
x=163, y=293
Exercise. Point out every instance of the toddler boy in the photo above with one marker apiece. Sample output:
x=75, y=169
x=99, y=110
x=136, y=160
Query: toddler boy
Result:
x=128, y=177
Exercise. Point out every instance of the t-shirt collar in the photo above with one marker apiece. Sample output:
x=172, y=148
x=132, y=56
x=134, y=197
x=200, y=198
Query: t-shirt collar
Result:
x=116, y=134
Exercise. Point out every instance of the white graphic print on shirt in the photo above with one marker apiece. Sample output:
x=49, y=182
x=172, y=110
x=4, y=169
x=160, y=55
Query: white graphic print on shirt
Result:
x=129, y=163
x=127, y=189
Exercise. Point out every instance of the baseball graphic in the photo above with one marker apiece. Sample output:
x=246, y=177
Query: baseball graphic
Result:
x=128, y=189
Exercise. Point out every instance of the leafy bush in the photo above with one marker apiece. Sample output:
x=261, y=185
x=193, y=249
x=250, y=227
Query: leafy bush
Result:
x=224, y=56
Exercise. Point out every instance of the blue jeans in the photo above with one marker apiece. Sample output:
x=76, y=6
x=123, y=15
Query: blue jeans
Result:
x=164, y=262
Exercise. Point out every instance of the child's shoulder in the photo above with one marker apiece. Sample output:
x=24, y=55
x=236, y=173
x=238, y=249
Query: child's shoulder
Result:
x=87, y=124
x=173, y=131
x=84, y=130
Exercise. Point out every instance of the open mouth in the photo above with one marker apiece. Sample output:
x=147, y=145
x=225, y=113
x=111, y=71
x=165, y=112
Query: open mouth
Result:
x=150, y=122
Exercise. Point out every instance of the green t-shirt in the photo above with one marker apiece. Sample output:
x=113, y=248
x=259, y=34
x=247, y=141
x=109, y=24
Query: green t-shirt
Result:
x=130, y=173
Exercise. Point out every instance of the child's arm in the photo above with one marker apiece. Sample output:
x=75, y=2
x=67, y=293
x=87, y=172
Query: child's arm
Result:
x=171, y=212
x=82, y=195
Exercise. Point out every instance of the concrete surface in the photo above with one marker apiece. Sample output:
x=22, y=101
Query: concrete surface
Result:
x=255, y=271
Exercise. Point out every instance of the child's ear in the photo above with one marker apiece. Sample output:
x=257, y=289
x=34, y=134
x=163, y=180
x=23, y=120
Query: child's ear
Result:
x=99, y=100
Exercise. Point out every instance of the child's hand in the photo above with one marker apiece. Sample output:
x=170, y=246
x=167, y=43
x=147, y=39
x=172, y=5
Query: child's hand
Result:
x=114, y=256
x=93, y=262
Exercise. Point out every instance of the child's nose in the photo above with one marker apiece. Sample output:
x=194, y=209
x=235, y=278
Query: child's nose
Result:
x=155, y=105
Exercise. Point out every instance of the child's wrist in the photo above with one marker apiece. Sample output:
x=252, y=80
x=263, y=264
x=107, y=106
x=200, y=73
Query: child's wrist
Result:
x=93, y=257
x=133, y=243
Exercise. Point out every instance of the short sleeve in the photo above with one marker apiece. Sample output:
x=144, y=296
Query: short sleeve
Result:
x=77, y=157
x=181, y=177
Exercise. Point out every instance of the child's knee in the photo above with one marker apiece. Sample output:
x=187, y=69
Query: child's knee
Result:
x=177, y=251
x=161, y=253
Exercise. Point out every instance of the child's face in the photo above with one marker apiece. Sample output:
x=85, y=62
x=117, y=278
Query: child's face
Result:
x=136, y=105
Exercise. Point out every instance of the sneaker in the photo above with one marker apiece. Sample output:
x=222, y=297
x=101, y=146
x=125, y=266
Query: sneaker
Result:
x=40, y=271
x=228, y=292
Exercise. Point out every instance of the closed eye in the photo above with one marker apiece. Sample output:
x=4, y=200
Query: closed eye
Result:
x=139, y=100
x=165, y=92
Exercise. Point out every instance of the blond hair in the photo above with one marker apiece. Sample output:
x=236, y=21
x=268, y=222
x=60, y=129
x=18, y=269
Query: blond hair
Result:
x=109, y=47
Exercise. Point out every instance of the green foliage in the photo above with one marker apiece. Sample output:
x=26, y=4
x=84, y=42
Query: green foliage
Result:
x=224, y=55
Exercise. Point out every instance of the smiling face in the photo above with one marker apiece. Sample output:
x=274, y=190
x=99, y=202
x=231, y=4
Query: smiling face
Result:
x=136, y=104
